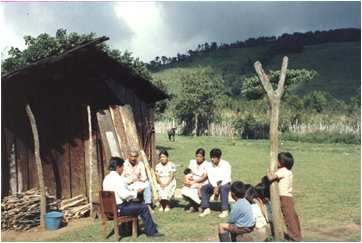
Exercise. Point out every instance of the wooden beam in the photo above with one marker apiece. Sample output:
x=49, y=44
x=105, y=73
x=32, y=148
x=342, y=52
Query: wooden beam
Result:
x=38, y=164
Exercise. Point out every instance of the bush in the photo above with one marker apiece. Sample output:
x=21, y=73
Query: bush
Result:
x=319, y=137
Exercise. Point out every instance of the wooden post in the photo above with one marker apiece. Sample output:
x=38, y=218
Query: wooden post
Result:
x=274, y=97
x=38, y=164
x=90, y=162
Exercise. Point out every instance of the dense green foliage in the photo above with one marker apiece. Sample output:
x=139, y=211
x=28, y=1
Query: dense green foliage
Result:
x=45, y=45
x=323, y=85
x=252, y=88
x=199, y=100
x=283, y=44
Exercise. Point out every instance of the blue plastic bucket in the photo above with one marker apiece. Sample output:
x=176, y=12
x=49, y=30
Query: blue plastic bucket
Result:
x=53, y=220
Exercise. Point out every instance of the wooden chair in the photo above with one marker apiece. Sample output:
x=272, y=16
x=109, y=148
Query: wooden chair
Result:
x=109, y=211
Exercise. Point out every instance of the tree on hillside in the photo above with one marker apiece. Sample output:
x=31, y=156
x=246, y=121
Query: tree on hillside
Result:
x=199, y=99
x=252, y=89
x=160, y=106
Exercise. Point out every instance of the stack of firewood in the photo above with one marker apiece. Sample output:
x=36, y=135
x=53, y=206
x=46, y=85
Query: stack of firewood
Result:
x=75, y=207
x=22, y=211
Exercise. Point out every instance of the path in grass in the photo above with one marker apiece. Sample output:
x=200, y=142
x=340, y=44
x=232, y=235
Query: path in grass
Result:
x=326, y=189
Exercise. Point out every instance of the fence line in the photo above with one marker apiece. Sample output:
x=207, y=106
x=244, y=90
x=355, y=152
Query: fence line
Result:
x=227, y=129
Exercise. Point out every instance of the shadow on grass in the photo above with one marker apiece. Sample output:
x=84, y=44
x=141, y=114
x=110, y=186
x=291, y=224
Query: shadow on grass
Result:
x=158, y=147
x=214, y=206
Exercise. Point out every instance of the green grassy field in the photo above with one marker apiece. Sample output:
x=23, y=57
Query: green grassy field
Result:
x=326, y=188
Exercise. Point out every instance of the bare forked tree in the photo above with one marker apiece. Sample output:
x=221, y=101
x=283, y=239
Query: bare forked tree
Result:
x=274, y=98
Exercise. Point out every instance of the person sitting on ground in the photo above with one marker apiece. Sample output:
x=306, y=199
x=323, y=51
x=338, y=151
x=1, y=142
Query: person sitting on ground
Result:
x=166, y=181
x=262, y=188
x=284, y=176
x=260, y=214
x=219, y=178
x=118, y=184
x=199, y=176
x=135, y=173
x=241, y=219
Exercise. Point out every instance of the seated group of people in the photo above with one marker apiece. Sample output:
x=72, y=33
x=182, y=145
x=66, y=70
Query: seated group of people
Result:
x=251, y=210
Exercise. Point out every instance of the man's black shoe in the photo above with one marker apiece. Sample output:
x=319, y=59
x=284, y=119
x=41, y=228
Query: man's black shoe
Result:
x=156, y=235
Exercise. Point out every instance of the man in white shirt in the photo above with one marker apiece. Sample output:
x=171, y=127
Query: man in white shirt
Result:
x=118, y=184
x=219, y=179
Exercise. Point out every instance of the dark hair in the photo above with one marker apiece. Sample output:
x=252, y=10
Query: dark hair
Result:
x=200, y=151
x=238, y=188
x=163, y=152
x=247, y=186
x=216, y=152
x=115, y=162
x=262, y=188
x=250, y=194
x=187, y=171
x=286, y=160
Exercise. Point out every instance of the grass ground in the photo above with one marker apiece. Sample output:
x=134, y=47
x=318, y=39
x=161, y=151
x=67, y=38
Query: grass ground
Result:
x=326, y=187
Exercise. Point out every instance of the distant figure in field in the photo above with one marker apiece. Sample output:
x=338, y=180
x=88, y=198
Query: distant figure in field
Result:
x=171, y=134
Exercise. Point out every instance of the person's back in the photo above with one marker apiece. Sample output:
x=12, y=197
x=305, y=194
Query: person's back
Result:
x=241, y=214
x=241, y=218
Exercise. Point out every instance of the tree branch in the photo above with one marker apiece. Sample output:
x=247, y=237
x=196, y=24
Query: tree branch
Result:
x=264, y=79
x=282, y=76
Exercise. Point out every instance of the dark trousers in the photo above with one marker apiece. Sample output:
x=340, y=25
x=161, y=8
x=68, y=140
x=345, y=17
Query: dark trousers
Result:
x=207, y=190
x=139, y=209
x=191, y=202
x=291, y=218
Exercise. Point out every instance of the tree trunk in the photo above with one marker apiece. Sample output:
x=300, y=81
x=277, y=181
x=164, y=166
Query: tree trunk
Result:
x=90, y=162
x=274, y=97
x=38, y=163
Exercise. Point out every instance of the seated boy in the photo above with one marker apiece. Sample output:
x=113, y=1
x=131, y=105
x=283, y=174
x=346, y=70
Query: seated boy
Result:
x=241, y=219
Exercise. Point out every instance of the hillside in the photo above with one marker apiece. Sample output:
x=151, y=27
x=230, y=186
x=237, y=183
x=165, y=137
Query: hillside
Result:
x=338, y=65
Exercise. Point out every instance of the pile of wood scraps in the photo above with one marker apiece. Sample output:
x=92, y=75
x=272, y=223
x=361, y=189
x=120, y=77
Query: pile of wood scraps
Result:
x=22, y=211
x=75, y=208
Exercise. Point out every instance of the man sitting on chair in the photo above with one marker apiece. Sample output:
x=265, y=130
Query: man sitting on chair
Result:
x=116, y=183
x=135, y=173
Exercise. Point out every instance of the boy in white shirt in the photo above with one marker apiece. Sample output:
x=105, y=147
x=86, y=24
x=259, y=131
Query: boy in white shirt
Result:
x=219, y=177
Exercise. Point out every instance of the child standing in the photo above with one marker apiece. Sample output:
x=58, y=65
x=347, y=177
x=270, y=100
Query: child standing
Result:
x=241, y=218
x=284, y=176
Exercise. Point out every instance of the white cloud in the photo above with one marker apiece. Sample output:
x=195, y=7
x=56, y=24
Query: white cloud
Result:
x=8, y=36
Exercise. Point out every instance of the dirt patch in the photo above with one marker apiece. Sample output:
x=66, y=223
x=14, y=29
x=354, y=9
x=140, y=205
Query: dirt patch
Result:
x=37, y=234
x=341, y=233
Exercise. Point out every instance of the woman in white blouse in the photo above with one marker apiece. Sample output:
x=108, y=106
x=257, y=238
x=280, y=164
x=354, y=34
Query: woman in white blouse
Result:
x=166, y=180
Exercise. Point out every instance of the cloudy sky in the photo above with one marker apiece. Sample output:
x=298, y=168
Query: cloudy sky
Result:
x=150, y=29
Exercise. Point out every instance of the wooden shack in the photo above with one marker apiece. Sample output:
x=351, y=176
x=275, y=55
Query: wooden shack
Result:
x=58, y=89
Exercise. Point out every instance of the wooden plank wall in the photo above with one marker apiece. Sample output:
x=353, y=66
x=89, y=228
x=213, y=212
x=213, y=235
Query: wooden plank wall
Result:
x=63, y=131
